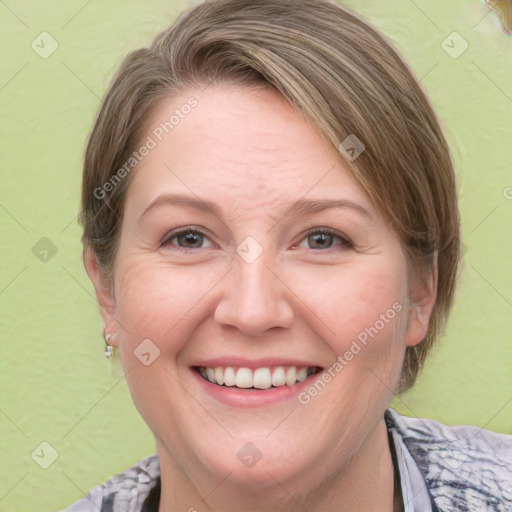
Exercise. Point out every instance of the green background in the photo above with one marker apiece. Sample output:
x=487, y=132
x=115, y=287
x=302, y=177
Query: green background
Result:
x=55, y=385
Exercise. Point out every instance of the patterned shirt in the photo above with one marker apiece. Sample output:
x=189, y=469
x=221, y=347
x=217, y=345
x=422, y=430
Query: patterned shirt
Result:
x=441, y=469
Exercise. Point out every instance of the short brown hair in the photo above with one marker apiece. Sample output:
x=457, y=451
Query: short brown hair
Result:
x=341, y=74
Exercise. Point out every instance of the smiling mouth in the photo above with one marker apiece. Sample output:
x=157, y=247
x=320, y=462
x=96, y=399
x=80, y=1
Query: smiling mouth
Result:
x=257, y=378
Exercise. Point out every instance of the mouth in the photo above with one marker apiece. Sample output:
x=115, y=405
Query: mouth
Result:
x=262, y=378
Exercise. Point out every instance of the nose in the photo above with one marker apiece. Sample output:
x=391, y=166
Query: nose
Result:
x=254, y=298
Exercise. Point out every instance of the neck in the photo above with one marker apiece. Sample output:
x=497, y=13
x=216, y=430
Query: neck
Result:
x=363, y=483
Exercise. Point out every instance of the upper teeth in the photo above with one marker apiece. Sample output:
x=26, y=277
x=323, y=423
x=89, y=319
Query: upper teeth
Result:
x=260, y=378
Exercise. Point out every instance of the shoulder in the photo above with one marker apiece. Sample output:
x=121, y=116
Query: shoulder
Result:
x=465, y=468
x=124, y=492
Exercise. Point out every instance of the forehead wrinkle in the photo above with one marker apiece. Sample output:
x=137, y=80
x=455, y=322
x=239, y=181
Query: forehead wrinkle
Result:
x=266, y=206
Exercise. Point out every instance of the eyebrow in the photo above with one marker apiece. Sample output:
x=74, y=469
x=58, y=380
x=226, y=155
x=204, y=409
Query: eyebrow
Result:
x=299, y=207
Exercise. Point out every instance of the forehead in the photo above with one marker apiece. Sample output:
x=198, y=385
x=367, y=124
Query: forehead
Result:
x=242, y=145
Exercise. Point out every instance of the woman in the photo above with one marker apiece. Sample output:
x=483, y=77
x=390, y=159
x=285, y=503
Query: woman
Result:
x=271, y=226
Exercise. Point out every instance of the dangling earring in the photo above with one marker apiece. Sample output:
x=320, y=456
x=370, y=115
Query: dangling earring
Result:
x=109, y=349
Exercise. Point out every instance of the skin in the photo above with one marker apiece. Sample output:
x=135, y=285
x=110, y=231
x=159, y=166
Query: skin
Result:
x=253, y=155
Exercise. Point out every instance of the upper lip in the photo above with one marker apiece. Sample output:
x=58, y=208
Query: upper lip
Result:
x=240, y=362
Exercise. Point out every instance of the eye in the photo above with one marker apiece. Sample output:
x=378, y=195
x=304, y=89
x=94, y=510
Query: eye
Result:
x=326, y=239
x=317, y=239
x=187, y=239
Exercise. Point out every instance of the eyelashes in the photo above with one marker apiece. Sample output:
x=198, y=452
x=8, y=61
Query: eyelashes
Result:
x=192, y=234
x=196, y=237
x=323, y=234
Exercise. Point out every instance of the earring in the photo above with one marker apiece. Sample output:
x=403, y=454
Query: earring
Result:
x=109, y=349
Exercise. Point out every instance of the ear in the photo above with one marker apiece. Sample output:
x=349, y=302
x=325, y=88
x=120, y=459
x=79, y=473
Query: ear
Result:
x=104, y=290
x=422, y=297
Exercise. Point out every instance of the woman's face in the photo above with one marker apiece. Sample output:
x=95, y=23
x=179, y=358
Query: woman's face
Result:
x=248, y=253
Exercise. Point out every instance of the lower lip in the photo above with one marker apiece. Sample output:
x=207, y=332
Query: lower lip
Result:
x=237, y=397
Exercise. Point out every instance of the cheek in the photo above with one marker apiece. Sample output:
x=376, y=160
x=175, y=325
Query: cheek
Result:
x=154, y=301
x=353, y=299
x=362, y=311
